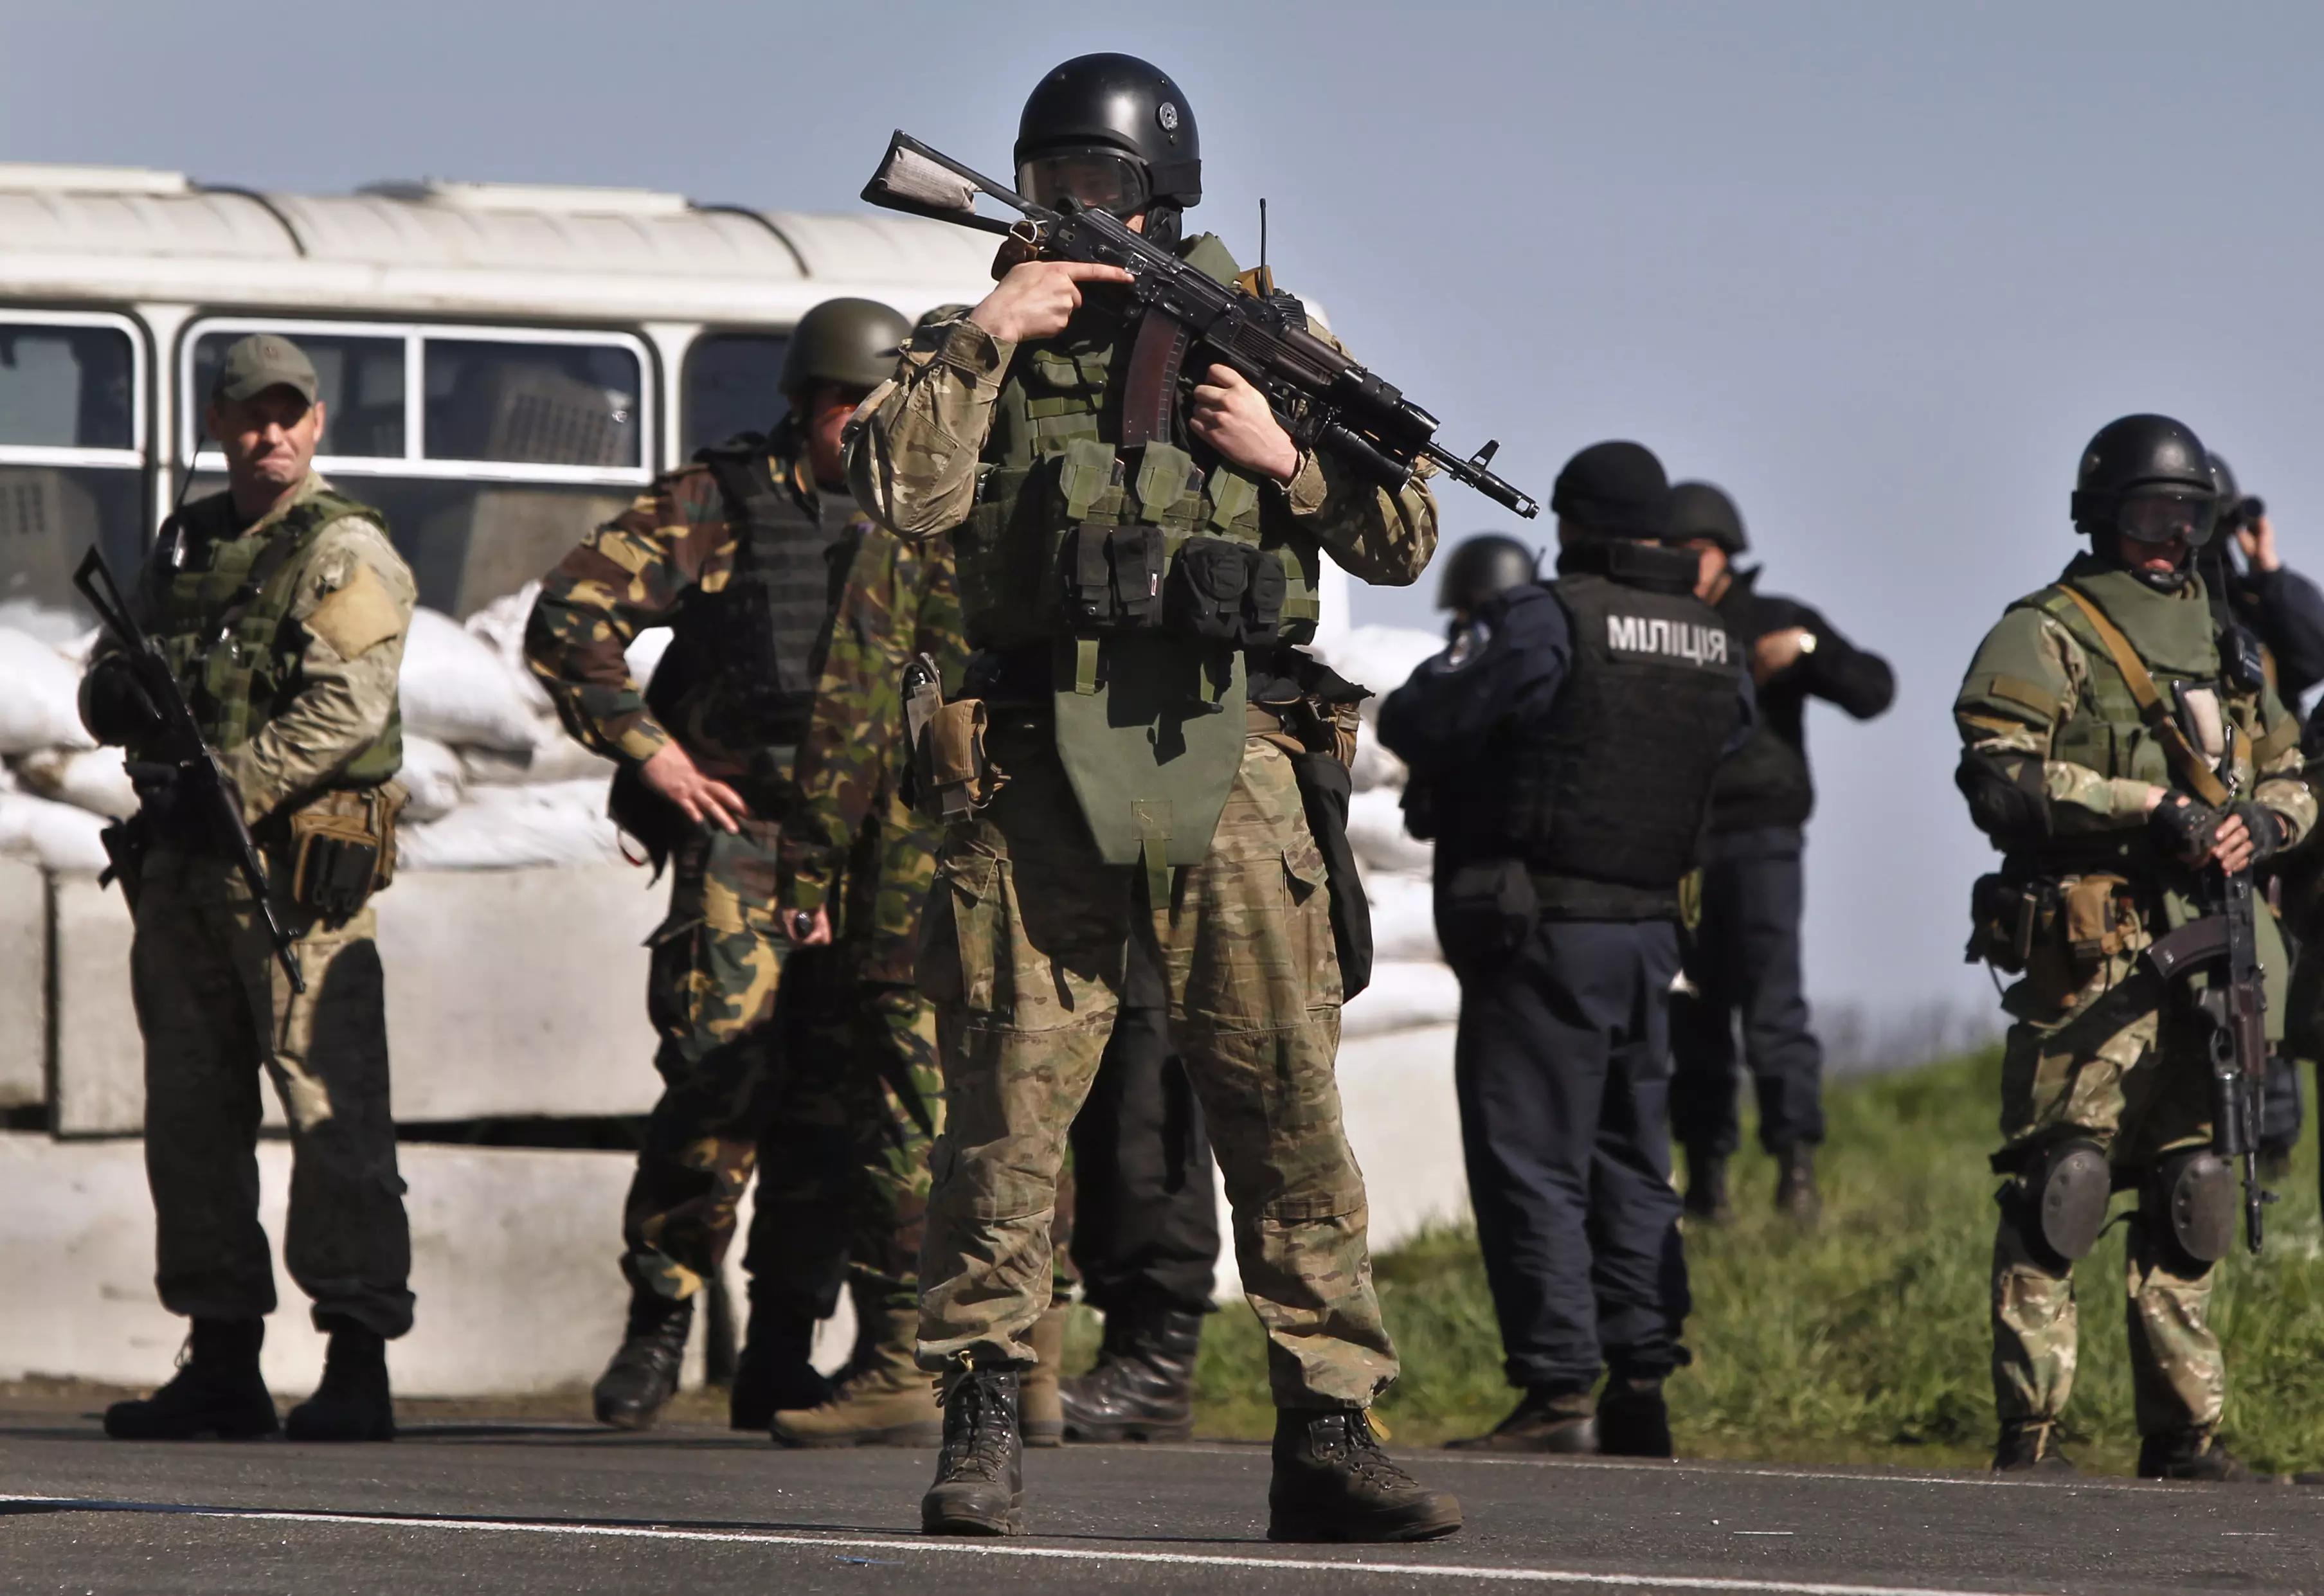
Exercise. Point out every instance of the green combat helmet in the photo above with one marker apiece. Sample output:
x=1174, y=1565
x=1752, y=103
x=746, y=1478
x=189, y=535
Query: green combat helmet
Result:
x=852, y=343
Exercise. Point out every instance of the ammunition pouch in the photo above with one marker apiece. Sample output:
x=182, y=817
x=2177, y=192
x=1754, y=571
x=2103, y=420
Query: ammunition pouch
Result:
x=1110, y=580
x=952, y=775
x=343, y=850
x=1227, y=591
x=2188, y=1205
x=1484, y=912
x=2100, y=919
x=1114, y=579
x=2007, y=916
x=2063, y=1192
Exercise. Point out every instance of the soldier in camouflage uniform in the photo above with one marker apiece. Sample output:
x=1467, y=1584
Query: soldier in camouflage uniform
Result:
x=1003, y=429
x=2105, y=1082
x=732, y=554
x=282, y=608
x=853, y=851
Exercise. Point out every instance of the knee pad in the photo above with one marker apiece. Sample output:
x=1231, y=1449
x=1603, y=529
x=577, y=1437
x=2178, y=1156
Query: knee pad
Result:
x=2063, y=1195
x=2189, y=1206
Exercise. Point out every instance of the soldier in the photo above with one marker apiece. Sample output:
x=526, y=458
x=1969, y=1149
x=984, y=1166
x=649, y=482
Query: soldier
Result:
x=1745, y=953
x=2103, y=850
x=1566, y=740
x=282, y=608
x=732, y=554
x=1129, y=792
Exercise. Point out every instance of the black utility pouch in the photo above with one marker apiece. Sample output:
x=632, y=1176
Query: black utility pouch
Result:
x=1111, y=578
x=1262, y=600
x=1324, y=790
x=1209, y=583
x=2006, y=915
x=334, y=874
x=1485, y=912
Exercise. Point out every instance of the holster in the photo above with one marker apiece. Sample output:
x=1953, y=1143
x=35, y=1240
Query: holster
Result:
x=127, y=844
x=1484, y=912
x=1317, y=730
x=952, y=775
x=2007, y=916
x=343, y=850
x=659, y=826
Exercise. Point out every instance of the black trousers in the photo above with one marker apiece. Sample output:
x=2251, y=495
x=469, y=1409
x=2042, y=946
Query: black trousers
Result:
x=1562, y=1067
x=1744, y=957
x=1146, y=1200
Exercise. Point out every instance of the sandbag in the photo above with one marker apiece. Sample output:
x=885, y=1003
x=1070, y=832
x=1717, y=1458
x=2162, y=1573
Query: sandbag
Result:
x=1404, y=994
x=553, y=756
x=431, y=776
x=40, y=693
x=516, y=827
x=458, y=690
x=1404, y=916
x=56, y=836
x=92, y=778
x=500, y=626
x=644, y=654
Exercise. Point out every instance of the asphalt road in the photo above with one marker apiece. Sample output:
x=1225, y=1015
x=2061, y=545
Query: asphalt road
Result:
x=520, y=1508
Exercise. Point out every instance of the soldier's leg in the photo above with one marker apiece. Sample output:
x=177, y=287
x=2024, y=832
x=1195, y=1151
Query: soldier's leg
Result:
x=1786, y=1060
x=1147, y=1228
x=349, y=1244
x=1703, y=1109
x=900, y=1084
x=807, y=1197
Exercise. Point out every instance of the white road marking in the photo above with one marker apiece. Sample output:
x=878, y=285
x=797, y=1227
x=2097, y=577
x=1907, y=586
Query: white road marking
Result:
x=995, y=1548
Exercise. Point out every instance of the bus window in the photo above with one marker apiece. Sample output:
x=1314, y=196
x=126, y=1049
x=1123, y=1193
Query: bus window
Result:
x=729, y=386
x=71, y=476
x=540, y=404
x=360, y=381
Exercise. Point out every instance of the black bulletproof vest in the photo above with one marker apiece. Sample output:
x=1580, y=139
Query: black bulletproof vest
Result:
x=753, y=642
x=1767, y=783
x=1607, y=802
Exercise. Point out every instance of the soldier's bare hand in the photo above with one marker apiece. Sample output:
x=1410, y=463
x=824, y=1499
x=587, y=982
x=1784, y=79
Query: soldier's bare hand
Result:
x=805, y=929
x=2257, y=541
x=1235, y=417
x=2232, y=846
x=1036, y=298
x=1778, y=651
x=706, y=800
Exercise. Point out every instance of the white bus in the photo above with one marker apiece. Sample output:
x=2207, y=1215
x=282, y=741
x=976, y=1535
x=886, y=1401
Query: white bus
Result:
x=505, y=365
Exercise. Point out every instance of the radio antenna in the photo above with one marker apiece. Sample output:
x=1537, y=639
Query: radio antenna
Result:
x=1267, y=282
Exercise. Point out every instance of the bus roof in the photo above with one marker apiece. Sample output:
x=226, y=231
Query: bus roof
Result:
x=80, y=234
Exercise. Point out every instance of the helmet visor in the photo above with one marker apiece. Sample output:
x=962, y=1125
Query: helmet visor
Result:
x=1097, y=180
x=2158, y=518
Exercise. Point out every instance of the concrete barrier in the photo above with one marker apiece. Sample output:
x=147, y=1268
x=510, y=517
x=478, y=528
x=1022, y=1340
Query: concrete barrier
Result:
x=24, y=984
x=509, y=992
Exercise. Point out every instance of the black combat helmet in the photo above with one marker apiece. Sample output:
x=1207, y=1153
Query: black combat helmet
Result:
x=1482, y=566
x=2238, y=509
x=2148, y=476
x=1116, y=134
x=1699, y=510
x=853, y=343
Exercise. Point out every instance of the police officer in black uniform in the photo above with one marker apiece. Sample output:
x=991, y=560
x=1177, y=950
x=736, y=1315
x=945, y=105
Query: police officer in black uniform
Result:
x=1567, y=740
x=1744, y=953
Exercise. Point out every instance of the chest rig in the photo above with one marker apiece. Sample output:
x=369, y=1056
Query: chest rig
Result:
x=219, y=606
x=1145, y=572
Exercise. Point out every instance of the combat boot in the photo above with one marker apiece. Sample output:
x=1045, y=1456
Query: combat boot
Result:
x=353, y=1403
x=218, y=1390
x=1333, y=1482
x=1706, y=1187
x=980, y=1485
x=1143, y=1387
x=1549, y=1419
x=643, y=1375
x=1633, y=1421
x=772, y=1373
x=2030, y=1446
x=884, y=1398
x=1795, y=1187
x=2188, y=1454
x=1044, y=1405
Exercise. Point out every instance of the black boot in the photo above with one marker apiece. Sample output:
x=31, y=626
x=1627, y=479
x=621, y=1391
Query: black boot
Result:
x=1795, y=1187
x=1706, y=1187
x=2030, y=1446
x=1556, y=1420
x=218, y=1390
x=353, y=1403
x=1143, y=1387
x=1333, y=1482
x=772, y=1373
x=643, y=1375
x=1632, y=1419
x=2188, y=1454
x=980, y=1485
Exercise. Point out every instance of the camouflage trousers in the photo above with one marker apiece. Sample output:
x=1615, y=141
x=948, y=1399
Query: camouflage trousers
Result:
x=215, y=1009
x=2102, y=1060
x=1025, y=954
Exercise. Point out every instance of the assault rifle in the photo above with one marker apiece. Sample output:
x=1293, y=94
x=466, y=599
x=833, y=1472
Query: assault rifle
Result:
x=187, y=764
x=1323, y=399
x=2234, y=1003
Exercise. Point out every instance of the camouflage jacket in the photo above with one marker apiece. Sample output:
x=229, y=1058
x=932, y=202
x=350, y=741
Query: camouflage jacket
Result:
x=850, y=841
x=638, y=571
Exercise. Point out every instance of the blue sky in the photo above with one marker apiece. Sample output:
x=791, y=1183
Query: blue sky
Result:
x=1880, y=270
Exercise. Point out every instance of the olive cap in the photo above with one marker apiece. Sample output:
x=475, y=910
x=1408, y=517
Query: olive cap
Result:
x=1614, y=490
x=261, y=361
x=853, y=343
x=1699, y=510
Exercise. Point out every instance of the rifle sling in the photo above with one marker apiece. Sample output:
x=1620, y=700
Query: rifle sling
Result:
x=2189, y=764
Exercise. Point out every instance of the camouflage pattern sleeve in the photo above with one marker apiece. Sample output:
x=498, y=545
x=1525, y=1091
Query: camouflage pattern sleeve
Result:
x=2026, y=680
x=627, y=576
x=914, y=443
x=354, y=603
x=1375, y=536
x=2279, y=781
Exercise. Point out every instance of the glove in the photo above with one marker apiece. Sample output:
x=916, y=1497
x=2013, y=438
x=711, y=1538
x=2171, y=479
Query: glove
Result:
x=114, y=705
x=2183, y=829
x=2266, y=828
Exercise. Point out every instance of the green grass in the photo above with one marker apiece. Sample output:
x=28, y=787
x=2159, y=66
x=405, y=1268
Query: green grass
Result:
x=1864, y=1340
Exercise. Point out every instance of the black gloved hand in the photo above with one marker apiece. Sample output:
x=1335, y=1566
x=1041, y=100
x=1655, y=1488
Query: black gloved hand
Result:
x=2183, y=829
x=2266, y=826
x=115, y=707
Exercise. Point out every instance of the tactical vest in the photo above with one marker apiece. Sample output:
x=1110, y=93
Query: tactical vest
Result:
x=750, y=645
x=219, y=606
x=1607, y=802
